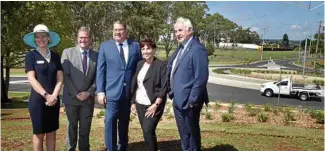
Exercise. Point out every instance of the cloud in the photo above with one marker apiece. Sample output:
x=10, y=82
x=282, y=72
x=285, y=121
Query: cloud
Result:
x=255, y=28
x=294, y=27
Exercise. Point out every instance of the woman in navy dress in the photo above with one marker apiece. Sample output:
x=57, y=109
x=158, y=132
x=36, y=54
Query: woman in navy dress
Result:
x=44, y=72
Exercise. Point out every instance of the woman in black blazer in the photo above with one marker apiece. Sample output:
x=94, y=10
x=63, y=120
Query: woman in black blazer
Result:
x=149, y=90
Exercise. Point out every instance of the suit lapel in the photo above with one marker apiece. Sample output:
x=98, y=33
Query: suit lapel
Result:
x=130, y=51
x=91, y=62
x=150, y=71
x=187, y=49
x=79, y=60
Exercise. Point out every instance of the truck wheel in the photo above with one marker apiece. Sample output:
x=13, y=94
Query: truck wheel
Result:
x=268, y=92
x=303, y=96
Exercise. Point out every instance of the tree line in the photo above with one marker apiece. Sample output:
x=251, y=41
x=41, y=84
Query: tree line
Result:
x=144, y=19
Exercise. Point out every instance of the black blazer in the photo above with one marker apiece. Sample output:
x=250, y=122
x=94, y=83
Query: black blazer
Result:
x=155, y=82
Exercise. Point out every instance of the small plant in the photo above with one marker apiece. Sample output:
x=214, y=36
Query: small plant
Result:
x=226, y=117
x=320, y=117
x=231, y=108
x=288, y=116
x=312, y=113
x=217, y=105
x=208, y=116
x=262, y=117
x=253, y=112
x=248, y=107
x=267, y=108
x=100, y=114
x=275, y=110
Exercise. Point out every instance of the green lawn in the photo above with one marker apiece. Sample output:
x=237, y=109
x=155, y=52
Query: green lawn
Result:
x=238, y=56
x=16, y=134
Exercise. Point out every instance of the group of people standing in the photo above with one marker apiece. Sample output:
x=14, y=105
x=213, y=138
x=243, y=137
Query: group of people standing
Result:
x=124, y=76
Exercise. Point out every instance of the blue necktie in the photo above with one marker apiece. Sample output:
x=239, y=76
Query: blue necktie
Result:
x=84, y=62
x=122, y=54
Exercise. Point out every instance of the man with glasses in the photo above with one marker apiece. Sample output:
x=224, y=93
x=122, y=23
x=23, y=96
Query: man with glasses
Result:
x=79, y=65
x=117, y=63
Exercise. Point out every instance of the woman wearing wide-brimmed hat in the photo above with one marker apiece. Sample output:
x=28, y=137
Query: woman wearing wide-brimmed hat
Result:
x=44, y=72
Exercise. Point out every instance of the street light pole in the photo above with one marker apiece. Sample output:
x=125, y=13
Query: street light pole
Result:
x=303, y=69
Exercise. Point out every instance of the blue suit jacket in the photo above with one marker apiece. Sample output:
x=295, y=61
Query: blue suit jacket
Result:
x=190, y=76
x=112, y=73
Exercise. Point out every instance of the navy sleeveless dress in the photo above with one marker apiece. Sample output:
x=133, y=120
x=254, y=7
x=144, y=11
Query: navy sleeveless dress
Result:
x=45, y=119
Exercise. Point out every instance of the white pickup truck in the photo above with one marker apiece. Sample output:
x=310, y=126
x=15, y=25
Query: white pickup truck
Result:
x=287, y=87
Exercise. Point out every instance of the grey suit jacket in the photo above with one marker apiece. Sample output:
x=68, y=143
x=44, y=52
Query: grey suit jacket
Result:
x=75, y=81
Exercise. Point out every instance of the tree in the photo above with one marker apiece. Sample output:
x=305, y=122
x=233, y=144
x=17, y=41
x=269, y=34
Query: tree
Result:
x=18, y=19
x=285, y=40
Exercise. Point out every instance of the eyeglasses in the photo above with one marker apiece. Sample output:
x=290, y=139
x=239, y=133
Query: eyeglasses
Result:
x=118, y=30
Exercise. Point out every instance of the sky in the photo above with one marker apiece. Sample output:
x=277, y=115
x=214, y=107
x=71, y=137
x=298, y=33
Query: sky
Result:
x=272, y=19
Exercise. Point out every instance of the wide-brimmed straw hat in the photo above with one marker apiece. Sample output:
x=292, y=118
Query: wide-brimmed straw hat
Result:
x=29, y=38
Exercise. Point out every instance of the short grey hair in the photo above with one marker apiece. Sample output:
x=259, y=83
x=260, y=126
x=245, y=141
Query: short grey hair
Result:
x=120, y=22
x=186, y=22
x=85, y=29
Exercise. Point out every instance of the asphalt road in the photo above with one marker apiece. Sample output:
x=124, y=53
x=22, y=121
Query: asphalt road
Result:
x=226, y=94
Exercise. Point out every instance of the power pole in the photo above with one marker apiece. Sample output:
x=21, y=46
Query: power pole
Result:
x=310, y=45
x=320, y=25
x=262, y=44
x=303, y=69
x=299, y=54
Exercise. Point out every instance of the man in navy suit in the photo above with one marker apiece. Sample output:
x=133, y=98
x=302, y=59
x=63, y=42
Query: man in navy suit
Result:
x=116, y=65
x=188, y=73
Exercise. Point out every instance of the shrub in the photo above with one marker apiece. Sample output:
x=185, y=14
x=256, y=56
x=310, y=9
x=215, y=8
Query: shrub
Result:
x=253, y=112
x=320, y=117
x=208, y=116
x=312, y=113
x=227, y=117
x=220, y=71
x=267, y=107
x=318, y=82
x=262, y=117
x=217, y=105
x=231, y=108
x=288, y=116
x=210, y=49
x=248, y=107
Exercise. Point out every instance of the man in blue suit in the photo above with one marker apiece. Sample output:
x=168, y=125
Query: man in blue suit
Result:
x=116, y=64
x=188, y=73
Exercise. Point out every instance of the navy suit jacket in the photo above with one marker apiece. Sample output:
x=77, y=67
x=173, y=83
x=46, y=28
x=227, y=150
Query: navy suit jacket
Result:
x=112, y=74
x=190, y=76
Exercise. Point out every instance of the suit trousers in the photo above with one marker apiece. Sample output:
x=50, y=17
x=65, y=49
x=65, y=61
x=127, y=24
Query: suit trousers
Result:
x=83, y=115
x=117, y=117
x=188, y=124
x=148, y=126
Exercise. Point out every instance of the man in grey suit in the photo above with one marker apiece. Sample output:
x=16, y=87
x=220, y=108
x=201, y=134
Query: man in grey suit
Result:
x=79, y=65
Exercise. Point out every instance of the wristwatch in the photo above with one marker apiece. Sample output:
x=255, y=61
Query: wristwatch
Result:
x=157, y=104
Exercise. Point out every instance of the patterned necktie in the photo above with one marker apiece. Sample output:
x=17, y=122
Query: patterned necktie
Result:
x=122, y=53
x=181, y=51
x=84, y=61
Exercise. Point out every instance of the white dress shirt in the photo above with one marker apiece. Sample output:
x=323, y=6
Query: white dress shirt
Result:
x=141, y=94
x=125, y=49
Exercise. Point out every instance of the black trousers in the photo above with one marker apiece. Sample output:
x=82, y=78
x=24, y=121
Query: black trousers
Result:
x=148, y=126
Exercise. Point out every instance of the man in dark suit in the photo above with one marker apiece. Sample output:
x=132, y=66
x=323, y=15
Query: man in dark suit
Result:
x=188, y=73
x=79, y=65
x=116, y=66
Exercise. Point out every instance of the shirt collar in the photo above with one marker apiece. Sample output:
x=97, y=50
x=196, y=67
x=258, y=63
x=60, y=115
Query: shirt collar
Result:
x=185, y=43
x=125, y=42
x=48, y=52
x=81, y=51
